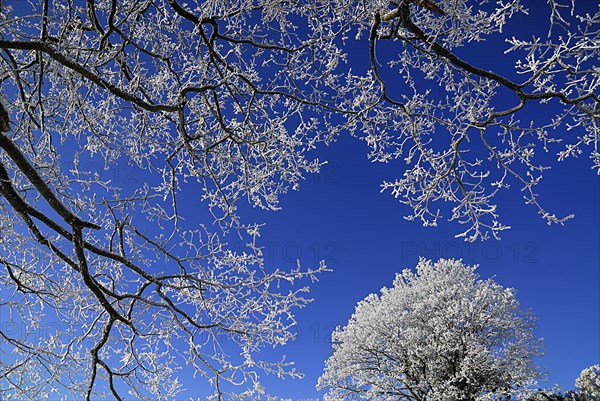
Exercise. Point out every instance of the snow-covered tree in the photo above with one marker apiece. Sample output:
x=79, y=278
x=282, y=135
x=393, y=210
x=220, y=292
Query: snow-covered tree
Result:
x=588, y=389
x=122, y=121
x=588, y=382
x=439, y=334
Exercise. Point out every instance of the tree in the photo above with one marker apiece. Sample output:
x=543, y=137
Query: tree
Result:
x=222, y=102
x=588, y=386
x=439, y=333
x=588, y=382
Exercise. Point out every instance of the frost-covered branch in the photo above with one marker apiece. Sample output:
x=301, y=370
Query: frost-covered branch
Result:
x=186, y=109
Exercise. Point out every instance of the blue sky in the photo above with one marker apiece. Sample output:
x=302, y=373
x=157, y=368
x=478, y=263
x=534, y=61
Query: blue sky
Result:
x=342, y=217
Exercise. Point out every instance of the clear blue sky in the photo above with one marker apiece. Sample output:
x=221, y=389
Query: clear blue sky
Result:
x=341, y=216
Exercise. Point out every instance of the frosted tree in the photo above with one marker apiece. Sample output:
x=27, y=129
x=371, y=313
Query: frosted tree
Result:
x=211, y=103
x=588, y=389
x=588, y=382
x=440, y=333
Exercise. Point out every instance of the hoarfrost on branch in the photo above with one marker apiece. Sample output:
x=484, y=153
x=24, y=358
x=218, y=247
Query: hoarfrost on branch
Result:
x=213, y=103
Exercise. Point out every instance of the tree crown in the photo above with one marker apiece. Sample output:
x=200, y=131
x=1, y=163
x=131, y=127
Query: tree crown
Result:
x=440, y=333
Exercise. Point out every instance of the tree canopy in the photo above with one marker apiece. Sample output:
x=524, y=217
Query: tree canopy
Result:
x=588, y=382
x=214, y=103
x=438, y=334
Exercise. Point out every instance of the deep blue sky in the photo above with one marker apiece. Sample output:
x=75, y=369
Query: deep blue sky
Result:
x=341, y=216
x=362, y=236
